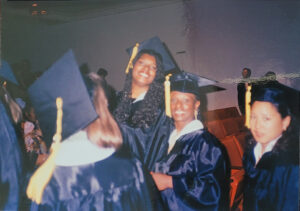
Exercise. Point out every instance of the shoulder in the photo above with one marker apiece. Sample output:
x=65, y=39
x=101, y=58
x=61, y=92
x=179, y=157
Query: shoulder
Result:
x=204, y=140
x=206, y=137
x=78, y=150
x=286, y=150
x=124, y=172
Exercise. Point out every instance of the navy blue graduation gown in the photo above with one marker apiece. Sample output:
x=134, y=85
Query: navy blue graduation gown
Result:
x=148, y=144
x=273, y=184
x=10, y=163
x=199, y=168
x=114, y=183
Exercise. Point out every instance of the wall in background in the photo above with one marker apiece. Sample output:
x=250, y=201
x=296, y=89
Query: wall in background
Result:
x=219, y=38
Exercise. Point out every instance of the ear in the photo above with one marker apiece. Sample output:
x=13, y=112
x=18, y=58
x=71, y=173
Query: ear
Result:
x=286, y=122
x=197, y=104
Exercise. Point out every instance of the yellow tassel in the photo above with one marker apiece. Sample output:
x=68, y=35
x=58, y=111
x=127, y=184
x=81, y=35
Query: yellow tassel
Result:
x=167, y=85
x=43, y=174
x=133, y=55
x=247, y=106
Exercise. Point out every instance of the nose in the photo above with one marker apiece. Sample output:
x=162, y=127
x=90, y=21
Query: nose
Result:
x=146, y=68
x=178, y=105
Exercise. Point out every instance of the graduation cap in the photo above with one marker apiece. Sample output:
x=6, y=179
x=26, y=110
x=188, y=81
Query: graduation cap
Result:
x=7, y=74
x=188, y=83
x=192, y=83
x=159, y=47
x=63, y=79
x=275, y=92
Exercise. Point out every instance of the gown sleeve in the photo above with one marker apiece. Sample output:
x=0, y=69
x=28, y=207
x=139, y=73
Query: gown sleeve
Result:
x=115, y=183
x=203, y=177
x=273, y=184
x=10, y=163
x=290, y=192
x=149, y=145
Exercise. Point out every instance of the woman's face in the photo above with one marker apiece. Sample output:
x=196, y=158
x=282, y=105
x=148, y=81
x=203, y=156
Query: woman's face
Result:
x=266, y=123
x=144, y=70
x=183, y=107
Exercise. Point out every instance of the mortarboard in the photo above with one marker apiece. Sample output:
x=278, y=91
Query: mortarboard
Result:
x=275, y=92
x=7, y=73
x=188, y=83
x=192, y=83
x=159, y=47
x=63, y=79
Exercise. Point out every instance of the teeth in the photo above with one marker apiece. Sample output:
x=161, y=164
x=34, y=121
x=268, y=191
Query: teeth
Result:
x=179, y=112
x=144, y=75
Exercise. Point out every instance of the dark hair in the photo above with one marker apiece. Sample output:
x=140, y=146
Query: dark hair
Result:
x=148, y=111
x=290, y=137
x=270, y=76
x=14, y=108
x=275, y=96
x=104, y=131
x=248, y=71
x=102, y=72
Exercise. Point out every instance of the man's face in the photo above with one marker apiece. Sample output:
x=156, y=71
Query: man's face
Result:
x=245, y=73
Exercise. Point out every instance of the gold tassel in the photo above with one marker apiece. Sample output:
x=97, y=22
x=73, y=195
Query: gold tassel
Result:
x=167, y=85
x=133, y=55
x=247, y=106
x=43, y=174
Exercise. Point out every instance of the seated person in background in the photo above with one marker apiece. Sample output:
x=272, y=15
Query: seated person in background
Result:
x=89, y=172
x=194, y=174
x=109, y=91
x=271, y=161
x=242, y=88
x=32, y=134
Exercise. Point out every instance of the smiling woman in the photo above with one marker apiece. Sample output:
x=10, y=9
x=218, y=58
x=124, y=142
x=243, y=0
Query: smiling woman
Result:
x=142, y=87
x=184, y=106
x=194, y=174
x=140, y=109
x=143, y=74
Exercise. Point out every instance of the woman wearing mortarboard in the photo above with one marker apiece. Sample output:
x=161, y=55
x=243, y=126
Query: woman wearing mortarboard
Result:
x=140, y=109
x=194, y=174
x=271, y=161
x=89, y=172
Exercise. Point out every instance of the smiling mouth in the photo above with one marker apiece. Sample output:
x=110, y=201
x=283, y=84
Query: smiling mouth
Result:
x=179, y=112
x=144, y=75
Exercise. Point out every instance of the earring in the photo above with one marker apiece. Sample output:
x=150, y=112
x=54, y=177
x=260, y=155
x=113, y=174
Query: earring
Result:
x=196, y=114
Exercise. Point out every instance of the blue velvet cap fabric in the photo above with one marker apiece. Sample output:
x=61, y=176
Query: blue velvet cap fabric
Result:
x=63, y=79
x=159, y=47
x=6, y=73
x=190, y=83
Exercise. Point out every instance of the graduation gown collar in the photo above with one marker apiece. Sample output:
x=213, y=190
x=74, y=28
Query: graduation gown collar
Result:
x=140, y=97
x=79, y=150
x=190, y=127
x=258, y=147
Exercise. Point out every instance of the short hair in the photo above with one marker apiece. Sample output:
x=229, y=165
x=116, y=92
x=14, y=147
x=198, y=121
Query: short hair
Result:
x=248, y=71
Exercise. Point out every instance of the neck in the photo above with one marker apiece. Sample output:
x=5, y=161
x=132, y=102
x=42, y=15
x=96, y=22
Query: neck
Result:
x=263, y=148
x=138, y=90
x=180, y=125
